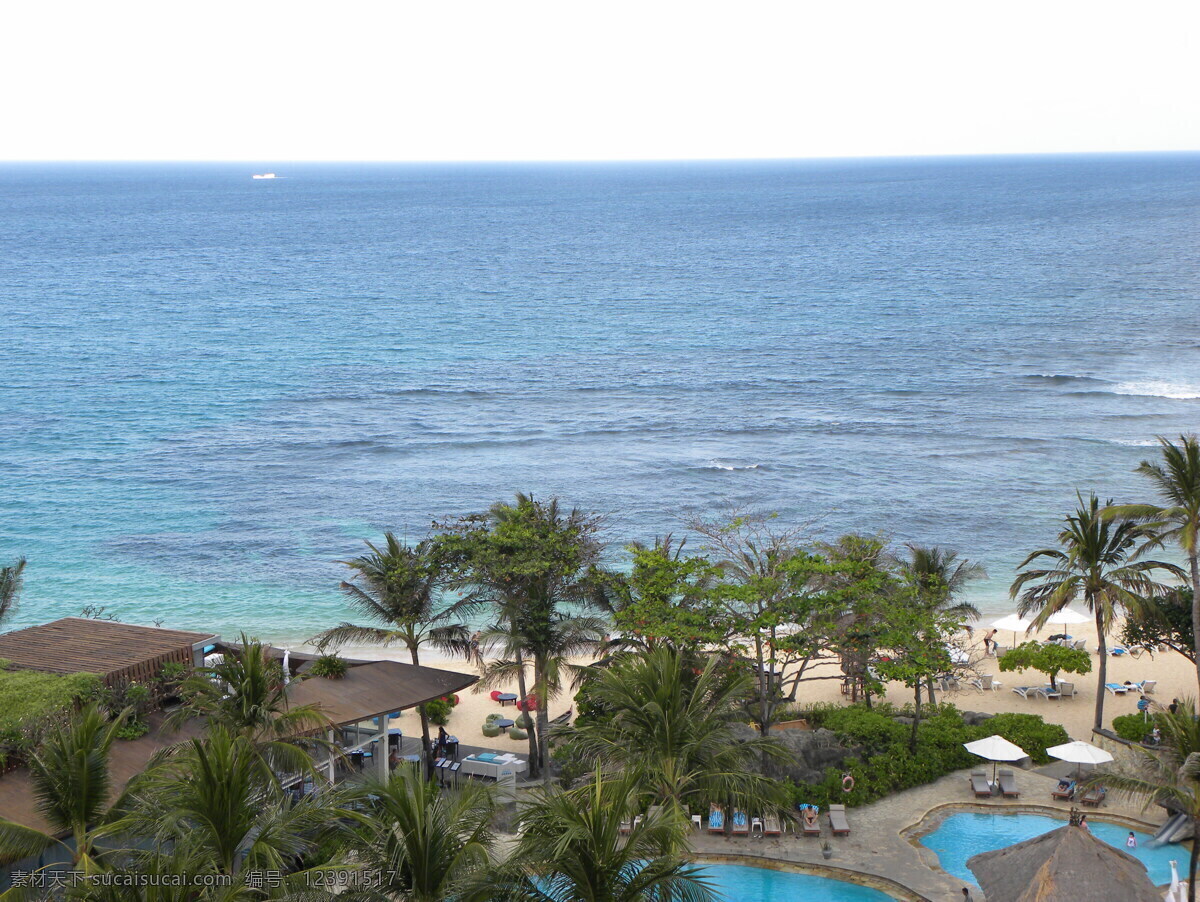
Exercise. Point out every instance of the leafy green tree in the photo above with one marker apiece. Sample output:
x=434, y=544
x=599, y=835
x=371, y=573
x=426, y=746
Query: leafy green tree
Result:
x=1095, y=563
x=10, y=586
x=72, y=781
x=537, y=566
x=671, y=717
x=1164, y=620
x=1048, y=658
x=1167, y=776
x=400, y=589
x=572, y=847
x=1176, y=478
x=428, y=844
x=246, y=695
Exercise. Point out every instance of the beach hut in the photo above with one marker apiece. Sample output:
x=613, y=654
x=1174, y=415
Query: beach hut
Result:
x=1064, y=865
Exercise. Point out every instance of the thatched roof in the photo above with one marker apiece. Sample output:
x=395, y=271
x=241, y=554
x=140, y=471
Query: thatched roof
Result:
x=1065, y=865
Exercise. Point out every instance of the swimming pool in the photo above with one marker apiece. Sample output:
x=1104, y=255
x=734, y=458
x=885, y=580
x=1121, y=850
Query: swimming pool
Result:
x=968, y=833
x=739, y=883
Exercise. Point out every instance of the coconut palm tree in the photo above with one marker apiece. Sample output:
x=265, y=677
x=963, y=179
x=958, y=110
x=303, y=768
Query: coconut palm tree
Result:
x=939, y=577
x=72, y=782
x=10, y=586
x=572, y=847
x=246, y=694
x=1168, y=775
x=1093, y=563
x=1176, y=478
x=672, y=717
x=400, y=588
x=428, y=844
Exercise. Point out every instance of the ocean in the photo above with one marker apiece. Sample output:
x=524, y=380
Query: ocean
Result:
x=213, y=388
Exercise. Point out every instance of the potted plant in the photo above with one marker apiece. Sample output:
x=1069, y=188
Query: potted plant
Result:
x=826, y=850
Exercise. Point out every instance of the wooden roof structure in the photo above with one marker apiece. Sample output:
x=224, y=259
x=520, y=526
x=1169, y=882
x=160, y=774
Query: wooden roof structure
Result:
x=1064, y=865
x=378, y=688
x=116, y=652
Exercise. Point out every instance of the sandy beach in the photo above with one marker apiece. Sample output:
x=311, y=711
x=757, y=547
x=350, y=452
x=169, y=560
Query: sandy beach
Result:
x=1175, y=676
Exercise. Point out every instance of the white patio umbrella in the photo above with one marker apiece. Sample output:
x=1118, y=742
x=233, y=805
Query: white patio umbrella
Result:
x=287, y=660
x=1178, y=891
x=1014, y=624
x=1079, y=752
x=995, y=749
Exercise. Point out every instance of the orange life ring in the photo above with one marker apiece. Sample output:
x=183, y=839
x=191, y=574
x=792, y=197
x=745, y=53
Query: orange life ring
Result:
x=847, y=782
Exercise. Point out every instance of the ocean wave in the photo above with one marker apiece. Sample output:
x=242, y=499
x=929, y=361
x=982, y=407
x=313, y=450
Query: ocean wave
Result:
x=1155, y=389
x=729, y=468
x=1063, y=379
x=1135, y=442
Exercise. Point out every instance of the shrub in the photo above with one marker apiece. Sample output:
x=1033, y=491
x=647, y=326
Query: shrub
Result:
x=331, y=667
x=1134, y=727
x=1028, y=731
x=438, y=711
x=172, y=673
x=133, y=729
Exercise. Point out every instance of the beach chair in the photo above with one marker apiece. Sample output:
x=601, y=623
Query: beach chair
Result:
x=1117, y=651
x=770, y=825
x=987, y=682
x=626, y=826
x=1066, y=690
x=1064, y=794
x=1047, y=692
x=756, y=823
x=1081, y=644
x=1115, y=688
x=1008, y=785
x=809, y=825
x=1147, y=686
x=1024, y=691
x=837, y=820
x=716, y=819
x=980, y=785
x=741, y=824
x=1094, y=797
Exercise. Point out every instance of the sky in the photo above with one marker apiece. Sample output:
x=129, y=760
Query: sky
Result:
x=571, y=80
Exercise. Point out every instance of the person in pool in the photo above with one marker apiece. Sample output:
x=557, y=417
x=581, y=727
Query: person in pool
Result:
x=1131, y=842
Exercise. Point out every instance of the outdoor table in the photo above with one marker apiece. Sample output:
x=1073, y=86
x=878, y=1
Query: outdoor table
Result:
x=505, y=724
x=507, y=698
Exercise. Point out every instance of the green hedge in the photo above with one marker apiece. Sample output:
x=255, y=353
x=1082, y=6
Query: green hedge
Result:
x=27, y=695
x=888, y=766
x=1134, y=727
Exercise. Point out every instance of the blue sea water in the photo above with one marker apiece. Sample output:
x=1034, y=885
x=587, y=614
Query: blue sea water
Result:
x=213, y=388
x=968, y=833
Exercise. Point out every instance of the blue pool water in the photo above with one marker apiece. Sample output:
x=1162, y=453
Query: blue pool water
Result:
x=741, y=884
x=968, y=833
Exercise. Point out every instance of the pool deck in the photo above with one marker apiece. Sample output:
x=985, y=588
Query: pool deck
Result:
x=883, y=846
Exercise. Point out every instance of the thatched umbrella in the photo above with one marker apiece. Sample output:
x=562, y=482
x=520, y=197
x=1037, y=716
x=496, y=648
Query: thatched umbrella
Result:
x=1065, y=865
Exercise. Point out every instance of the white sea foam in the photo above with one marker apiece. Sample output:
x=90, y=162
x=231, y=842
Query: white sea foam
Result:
x=1155, y=389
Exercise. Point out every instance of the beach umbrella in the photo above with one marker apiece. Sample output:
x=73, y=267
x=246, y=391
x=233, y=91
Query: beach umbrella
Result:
x=1178, y=891
x=995, y=749
x=1079, y=752
x=1067, y=617
x=287, y=660
x=1014, y=624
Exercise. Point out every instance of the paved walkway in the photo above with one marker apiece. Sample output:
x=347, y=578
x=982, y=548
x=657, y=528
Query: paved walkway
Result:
x=883, y=849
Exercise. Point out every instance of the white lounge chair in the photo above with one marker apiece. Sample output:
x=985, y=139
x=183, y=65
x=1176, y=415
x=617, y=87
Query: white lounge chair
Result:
x=1066, y=690
x=987, y=681
x=1047, y=692
x=1147, y=686
x=1116, y=688
x=1024, y=691
x=1081, y=644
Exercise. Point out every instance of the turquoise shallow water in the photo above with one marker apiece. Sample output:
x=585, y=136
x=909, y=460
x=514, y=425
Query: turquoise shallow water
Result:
x=737, y=883
x=968, y=833
x=212, y=388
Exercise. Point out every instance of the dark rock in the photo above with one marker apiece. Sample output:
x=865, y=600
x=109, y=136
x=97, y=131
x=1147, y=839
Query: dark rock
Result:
x=813, y=751
x=975, y=718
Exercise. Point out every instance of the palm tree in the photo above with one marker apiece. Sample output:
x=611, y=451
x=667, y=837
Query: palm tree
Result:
x=10, y=586
x=1177, y=480
x=572, y=847
x=246, y=695
x=399, y=587
x=939, y=577
x=428, y=844
x=672, y=718
x=1094, y=562
x=1168, y=775
x=538, y=567
x=72, y=782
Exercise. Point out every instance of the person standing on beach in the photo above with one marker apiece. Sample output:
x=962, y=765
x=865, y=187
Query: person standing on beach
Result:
x=1174, y=706
x=989, y=642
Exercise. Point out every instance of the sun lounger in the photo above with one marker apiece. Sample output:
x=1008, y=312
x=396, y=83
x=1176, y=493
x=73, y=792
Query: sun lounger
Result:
x=1094, y=797
x=837, y=820
x=1147, y=686
x=1116, y=688
x=741, y=823
x=1024, y=691
x=626, y=826
x=986, y=682
x=716, y=820
x=771, y=825
x=980, y=786
x=1066, y=690
x=1047, y=692
x=809, y=825
x=1081, y=644
x=1065, y=794
x=1008, y=785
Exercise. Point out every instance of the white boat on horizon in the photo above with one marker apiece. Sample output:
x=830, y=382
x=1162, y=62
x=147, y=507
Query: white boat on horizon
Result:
x=263, y=175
